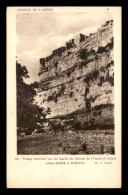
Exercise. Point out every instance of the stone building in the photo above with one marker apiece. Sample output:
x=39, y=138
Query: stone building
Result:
x=78, y=39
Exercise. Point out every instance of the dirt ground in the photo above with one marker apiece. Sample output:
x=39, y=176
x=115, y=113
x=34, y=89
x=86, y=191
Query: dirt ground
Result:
x=69, y=142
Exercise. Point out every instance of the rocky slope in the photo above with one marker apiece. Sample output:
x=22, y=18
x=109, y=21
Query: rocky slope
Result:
x=77, y=81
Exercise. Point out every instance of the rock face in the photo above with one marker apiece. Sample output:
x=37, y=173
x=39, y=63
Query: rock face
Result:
x=77, y=80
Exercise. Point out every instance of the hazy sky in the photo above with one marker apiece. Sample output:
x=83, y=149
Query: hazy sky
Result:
x=40, y=33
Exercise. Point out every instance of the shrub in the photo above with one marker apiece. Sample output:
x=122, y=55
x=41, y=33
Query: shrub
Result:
x=112, y=150
x=101, y=50
x=110, y=80
x=87, y=79
x=50, y=98
x=86, y=91
x=64, y=148
x=71, y=94
x=101, y=80
x=63, y=88
x=69, y=73
x=106, y=126
x=88, y=104
x=56, y=64
x=55, y=96
x=82, y=54
x=85, y=62
x=56, y=74
x=55, y=99
x=110, y=45
x=97, y=107
x=60, y=144
x=77, y=126
x=110, y=63
x=84, y=147
x=40, y=131
x=91, y=76
x=28, y=132
x=95, y=74
x=97, y=113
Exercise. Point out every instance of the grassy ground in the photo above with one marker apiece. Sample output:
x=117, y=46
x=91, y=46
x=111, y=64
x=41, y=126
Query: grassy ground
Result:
x=97, y=142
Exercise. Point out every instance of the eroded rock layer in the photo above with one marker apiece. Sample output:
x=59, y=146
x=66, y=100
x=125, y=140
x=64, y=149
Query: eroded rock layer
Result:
x=77, y=80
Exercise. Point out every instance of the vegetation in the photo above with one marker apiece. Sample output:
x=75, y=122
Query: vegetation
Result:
x=29, y=115
x=102, y=80
x=110, y=79
x=56, y=64
x=88, y=104
x=84, y=147
x=69, y=73
x=55, y=96
x=87, y=142
x=77, y=126
x=93, y=75
x=82, y=54
x=101, y=106
x=50, y=98
x=101, y=50
x=70, y=94
x=84, y=63
x=56, y=126
x=86, y=91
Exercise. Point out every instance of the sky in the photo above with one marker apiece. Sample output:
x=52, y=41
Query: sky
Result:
x=38, y=34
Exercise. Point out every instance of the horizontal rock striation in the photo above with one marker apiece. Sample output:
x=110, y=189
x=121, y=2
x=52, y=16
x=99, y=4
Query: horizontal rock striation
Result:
x=77, y=80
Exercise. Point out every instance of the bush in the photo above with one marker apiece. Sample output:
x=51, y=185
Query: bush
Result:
x=28, y=132
x=112, y=150
x=110, y=45
x=97, y=113
x=50, y=98
x=77, y=126
x=91, y=76
x=55, y=96
x=84, y=147
x=101, y=80
x=71, y=94
x=40, y=131
x=86, y=91
x=87, y=80
x=97, y=107
x=55, y=99
x=88, y=104
x=56, y=64
x=110, y=80
x=95, y=74
x=101, y=50
x=82, y=54
x=105, y=126
x=69, y=73
x=85, y=62
x=60, y=144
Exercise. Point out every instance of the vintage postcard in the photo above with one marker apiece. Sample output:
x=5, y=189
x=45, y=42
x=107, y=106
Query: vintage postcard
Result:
x=64, y=97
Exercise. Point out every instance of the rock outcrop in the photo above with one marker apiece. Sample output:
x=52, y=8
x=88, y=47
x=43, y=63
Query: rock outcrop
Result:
x=77, y=80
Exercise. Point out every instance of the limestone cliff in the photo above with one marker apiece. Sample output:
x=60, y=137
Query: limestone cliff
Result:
x=77, y=80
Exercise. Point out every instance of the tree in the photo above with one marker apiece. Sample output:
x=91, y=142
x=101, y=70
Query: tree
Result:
x=29, y=115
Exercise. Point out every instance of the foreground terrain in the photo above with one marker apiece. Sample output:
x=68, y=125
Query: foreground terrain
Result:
x=69, y=142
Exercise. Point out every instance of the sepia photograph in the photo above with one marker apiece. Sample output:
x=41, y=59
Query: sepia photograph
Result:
x=64, y=97
x=65, y=83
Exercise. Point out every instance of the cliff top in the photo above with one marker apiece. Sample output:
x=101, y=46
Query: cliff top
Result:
x=76, y=41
